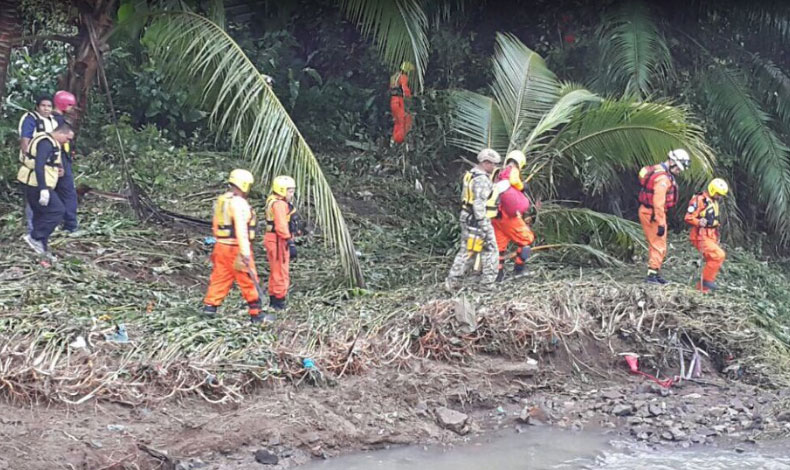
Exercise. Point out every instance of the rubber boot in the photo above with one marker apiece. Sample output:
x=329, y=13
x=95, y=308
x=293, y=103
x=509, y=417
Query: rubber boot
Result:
x=276, y=304
x=706, y=286
x=209, y=310
x=500, y=276
x=654, y=278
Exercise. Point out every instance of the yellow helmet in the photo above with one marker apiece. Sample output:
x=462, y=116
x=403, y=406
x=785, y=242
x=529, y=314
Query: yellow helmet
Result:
x=282, y=184
x=242, y=179
x=518, y=157
x=718, y=187
x=407, y=66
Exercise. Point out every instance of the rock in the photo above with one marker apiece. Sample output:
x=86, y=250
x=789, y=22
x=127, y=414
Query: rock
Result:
x=191, y=464
x=655, y=409
x=634, y=420
x=667, y=436
x=450, y=419
x=737, y=404
x=783, y=417
x=421, y=409
x=697, y=438
x=465, y=316
x=717, y=411
x=266, y=457
x=642, y=436
x=692, y=396
x=622, y=409
x=611, y=394
x=95, y=444
x=527, y=368
x=678, y=434
x=311, y=437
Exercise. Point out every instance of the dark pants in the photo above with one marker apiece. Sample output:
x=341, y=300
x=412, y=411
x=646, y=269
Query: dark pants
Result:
x=45, y=218
x=68, y=196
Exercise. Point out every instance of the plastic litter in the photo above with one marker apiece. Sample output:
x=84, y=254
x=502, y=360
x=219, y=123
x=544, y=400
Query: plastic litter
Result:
x=308, y=363
x=633, y=364
x=209, y=241
x=119, y=336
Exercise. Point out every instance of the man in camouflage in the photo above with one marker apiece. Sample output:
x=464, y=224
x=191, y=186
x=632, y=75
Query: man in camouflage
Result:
x=475, y=213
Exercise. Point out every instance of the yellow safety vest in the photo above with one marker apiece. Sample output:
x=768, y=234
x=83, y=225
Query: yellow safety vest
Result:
x=43, y=125
x=223, y=219
x=270, y=212
x=468, y=198
x=27, y=172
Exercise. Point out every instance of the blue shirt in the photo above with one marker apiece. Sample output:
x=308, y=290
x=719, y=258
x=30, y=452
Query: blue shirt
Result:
x=28, y=127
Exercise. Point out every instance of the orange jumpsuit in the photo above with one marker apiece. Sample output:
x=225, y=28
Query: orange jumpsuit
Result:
x=233, y=226
x=706, y=239
x=399, y=88
x=278, y=214
x=512, y=229
x=654, y=217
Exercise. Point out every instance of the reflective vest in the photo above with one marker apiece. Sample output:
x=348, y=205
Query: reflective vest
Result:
x=27, y=172
x=647, y=178
x=395, y=87
x=468, y=197
x=43, y=125
x=706, y=208
x=223, y=219
x=270, y=211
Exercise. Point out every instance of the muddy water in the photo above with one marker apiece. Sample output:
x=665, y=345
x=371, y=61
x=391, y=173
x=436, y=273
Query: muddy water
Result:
x=547, y=449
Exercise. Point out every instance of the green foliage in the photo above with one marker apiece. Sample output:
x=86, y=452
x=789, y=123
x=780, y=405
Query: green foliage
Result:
x=31, y=74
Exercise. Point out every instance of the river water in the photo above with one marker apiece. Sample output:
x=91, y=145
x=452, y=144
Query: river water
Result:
x=553, y=449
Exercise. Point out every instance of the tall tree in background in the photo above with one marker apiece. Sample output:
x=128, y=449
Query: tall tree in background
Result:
x=10, y=31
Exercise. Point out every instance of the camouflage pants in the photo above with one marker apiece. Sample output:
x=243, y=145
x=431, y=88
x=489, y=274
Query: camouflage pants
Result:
x=488, y=257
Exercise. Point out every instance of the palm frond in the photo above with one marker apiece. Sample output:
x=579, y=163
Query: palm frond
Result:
x=773, y=86
x=764, y=157
x=193, y=50
x=398, y=27
x=634, y=55
x=605, y=232
x=623, y=134
x=477, y=123
x=524, y=88
x=572, y=98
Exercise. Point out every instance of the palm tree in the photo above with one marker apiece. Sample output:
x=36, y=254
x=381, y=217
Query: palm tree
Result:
x=192, y=49
x=569, y=132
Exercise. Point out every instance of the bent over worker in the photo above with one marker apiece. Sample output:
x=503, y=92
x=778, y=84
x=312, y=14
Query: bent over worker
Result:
x=40, y=171
x=703, y=216
x=477, y=233
x=509, y=224
x=399, y=89
x=64, y=104
x=278, y=241
x=234, y=227
x=659, y=192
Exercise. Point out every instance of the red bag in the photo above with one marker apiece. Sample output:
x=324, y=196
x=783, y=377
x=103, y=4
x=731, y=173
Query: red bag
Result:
x=513, y=202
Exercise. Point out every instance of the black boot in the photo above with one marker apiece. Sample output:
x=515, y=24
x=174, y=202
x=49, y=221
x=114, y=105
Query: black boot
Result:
x=276, y=304
x=654, y=278
x=500, y=276
x=209, y=311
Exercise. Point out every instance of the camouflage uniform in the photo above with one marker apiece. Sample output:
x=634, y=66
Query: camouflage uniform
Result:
x=481, y=187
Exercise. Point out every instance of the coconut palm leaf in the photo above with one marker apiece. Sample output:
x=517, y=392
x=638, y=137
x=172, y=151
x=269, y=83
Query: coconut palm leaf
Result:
x=398, y=27
x=524, y=88
x=604, y=232
x=764, y=157
x=477, y=123
x=773, y=85
x=572, y=98
x=634, y=55
x=623, y=134
x=193, y=50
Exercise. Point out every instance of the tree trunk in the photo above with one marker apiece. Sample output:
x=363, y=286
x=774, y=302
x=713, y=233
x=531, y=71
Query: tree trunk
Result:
x=10, y=30
x=95, y=21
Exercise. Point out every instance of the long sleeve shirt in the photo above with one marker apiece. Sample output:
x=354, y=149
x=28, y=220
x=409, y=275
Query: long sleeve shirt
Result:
x=241, y=213
x=280, y=211
x=44, y=152
x=662, y=184
x=481, y=188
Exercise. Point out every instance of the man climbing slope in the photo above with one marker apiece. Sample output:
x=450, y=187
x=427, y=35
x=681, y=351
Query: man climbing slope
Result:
x=234, y=227
x=659, y=192
x=704, y=217
x=399, y=90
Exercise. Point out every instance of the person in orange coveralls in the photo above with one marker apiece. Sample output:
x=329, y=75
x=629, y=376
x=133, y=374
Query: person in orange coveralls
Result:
x=278, y=241
x=509, y=225
x=659, y=192
x=703, y=216
x=234, y=227
x=399, y=89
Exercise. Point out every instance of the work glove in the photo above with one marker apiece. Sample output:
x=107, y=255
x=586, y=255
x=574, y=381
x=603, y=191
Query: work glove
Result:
x=43, y=197
x=703, y=222
x=291, y=250
x=241, y=263
x=661, y=230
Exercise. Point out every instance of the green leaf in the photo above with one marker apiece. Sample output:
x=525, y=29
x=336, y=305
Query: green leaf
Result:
x=477, y=123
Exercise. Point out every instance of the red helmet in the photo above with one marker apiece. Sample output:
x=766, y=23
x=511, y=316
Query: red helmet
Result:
x=63, y=99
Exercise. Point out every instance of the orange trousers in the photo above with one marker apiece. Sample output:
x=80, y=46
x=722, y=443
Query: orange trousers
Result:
x=402, y=119
x=709, y=248
x=223, y=275
x=511, y=229
x=656, y=246
x=278, y=256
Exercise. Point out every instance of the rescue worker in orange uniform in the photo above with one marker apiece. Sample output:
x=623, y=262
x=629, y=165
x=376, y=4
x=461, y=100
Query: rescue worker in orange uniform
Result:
x=659, y=192
x=278, y=241
x=509, y=224
x=703, y=216
x=399, y=89
x=234, y=228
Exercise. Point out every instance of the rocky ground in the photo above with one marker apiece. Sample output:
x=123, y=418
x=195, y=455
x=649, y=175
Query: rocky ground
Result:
x=423, y=402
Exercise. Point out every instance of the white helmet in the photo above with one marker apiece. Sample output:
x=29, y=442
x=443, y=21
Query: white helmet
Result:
x=680, y=158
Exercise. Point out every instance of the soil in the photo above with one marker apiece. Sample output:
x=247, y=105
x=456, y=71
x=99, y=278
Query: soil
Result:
x=389, y=406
